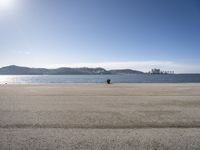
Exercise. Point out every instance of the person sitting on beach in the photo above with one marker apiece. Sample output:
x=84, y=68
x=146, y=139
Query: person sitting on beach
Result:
x=108, y=81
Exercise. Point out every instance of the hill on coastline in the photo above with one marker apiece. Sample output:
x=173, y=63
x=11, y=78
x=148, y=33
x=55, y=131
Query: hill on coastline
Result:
x=17, y=70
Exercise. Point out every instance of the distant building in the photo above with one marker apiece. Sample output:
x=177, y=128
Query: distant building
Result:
x=155, y=71
x=158, y=71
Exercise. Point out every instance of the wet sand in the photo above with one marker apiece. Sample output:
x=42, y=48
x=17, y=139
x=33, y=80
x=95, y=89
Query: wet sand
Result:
x=99, y=116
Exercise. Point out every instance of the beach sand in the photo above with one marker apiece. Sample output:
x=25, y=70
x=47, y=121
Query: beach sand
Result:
x=100, y=116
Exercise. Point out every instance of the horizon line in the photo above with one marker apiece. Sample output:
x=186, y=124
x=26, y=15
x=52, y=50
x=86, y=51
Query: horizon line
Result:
x=144, y=66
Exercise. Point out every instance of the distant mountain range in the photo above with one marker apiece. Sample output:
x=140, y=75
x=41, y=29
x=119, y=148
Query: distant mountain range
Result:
x=17, y=70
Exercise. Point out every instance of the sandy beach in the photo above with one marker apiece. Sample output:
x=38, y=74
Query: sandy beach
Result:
x=100, y=116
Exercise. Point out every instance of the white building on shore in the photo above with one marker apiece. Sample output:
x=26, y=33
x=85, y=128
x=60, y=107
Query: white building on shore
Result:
x=158, y=71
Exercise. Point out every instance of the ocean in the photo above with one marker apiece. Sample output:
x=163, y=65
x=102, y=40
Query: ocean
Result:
x=136, y=78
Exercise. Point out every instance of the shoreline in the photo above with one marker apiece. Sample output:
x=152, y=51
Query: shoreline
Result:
x=104, y=83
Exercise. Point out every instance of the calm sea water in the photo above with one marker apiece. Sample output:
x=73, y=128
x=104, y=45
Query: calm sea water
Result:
x=146, y=78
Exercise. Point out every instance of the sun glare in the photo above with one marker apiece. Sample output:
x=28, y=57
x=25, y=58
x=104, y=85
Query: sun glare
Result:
x=6, y=4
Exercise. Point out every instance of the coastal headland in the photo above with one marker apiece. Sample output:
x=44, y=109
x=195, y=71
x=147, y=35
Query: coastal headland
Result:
x=100, y=116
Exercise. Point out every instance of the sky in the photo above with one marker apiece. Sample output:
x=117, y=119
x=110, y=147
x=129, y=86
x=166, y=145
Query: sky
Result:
x=135, y=34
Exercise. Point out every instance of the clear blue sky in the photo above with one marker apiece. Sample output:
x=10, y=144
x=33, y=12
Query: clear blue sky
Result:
x=42, y=33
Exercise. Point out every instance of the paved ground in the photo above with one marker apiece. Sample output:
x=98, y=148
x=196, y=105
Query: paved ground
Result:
x=98, y=116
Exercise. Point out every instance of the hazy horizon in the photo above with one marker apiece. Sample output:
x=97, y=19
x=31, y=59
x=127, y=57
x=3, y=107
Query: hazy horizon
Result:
x=139, y=66
x=114, y=34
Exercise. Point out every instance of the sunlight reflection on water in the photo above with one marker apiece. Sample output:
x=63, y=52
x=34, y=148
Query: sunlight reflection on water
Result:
x=7, y=79
x=16, y=79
